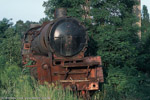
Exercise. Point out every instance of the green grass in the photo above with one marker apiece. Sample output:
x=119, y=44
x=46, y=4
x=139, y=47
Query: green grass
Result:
x=14, y=83
x=17, y=82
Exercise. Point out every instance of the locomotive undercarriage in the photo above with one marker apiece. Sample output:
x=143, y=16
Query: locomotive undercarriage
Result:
x=80, y=74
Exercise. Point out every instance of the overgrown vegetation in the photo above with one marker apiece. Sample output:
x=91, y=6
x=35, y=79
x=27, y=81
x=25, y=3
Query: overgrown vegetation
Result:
x=20, y=85
x=15, y=80
x=113, y=36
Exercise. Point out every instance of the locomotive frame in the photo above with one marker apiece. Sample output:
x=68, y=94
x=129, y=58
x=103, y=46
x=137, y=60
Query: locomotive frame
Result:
x=78, y=72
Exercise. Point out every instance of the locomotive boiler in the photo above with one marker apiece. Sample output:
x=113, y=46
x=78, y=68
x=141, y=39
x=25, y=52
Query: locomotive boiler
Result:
x=56, y=49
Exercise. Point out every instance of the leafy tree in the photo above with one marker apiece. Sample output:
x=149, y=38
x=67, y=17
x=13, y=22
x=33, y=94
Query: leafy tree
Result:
x=4, y=25
x=21, y=27
x=11, y=46
x=74, y=8
x=42, y=20
x=144, y=51
x=145, y=20
x=113, y=36
x=145, y=14
x=145, y=23
x=115, y=32
x=10, y=54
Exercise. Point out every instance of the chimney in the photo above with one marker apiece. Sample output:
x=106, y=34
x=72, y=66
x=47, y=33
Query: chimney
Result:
x=60, y=12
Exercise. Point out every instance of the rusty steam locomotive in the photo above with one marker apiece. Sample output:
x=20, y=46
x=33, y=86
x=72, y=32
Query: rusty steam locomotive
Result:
x=57, y=50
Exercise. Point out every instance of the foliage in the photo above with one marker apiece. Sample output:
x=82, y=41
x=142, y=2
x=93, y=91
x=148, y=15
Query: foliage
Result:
x=18, y=85
x=42, y=20
x=10, y=39
x=123, y=82
x=10, y=46
x=22, y=27
x=4, y=25
x=16, y=82
x=113, y=36
x=144, y=50
x=73, y=7
x=115, y=32
x=118, y=45
x=8, y=78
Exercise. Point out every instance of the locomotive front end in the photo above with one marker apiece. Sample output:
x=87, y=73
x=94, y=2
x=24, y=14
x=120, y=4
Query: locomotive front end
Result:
x=68, y=37
x=57, y=49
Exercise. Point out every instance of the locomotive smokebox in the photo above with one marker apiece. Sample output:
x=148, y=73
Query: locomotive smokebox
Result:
x=65, y=36
x=60, y=12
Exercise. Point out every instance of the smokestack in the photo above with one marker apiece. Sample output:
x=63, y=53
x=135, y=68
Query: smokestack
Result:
x=60, y=12
x=137, y=11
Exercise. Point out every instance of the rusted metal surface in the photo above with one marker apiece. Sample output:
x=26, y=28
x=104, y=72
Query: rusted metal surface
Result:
x=76, y=72
x=60, y=12
x=79, y=72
